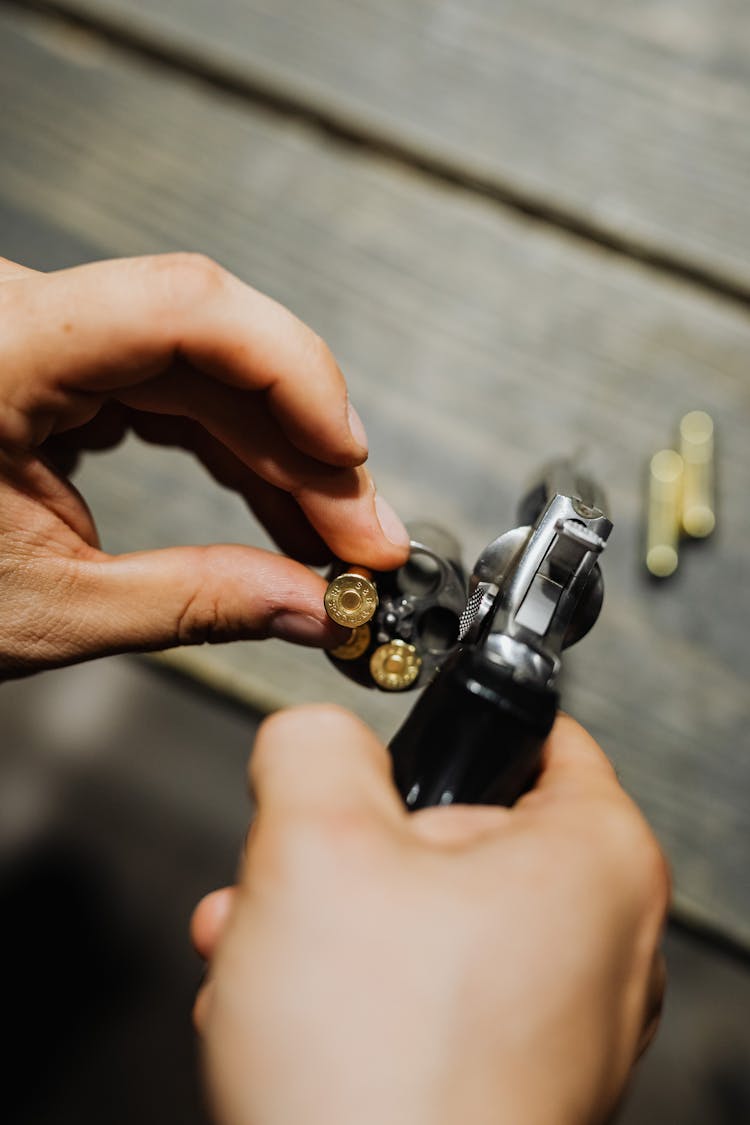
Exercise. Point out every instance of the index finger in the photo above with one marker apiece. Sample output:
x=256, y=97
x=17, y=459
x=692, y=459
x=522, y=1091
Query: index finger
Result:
x=108, y=325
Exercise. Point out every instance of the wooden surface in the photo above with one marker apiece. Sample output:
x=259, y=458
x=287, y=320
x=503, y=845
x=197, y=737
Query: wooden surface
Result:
x=628, y=120
x=476, y=345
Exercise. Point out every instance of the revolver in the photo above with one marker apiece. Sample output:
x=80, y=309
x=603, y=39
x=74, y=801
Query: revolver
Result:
x=488, y=650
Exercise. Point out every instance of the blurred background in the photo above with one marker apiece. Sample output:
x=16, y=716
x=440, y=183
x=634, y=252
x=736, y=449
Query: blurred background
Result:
x=524, y=229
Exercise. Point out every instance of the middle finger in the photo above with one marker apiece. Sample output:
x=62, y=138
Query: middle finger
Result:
x=340, y=503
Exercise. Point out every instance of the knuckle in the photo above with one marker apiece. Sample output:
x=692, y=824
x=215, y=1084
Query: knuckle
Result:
x=200, y=619
x=282, y=739
x=273, y=734
x=289, y=726
x=190, y=278
x=199, y=622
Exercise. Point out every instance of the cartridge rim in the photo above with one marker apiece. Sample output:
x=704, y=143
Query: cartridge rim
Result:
x=351, y=600
x=395, y=665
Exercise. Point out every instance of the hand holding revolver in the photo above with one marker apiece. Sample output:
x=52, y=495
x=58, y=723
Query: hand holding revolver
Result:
x=463, y=964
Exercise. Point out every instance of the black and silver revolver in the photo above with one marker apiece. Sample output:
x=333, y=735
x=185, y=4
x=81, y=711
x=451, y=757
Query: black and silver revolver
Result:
x=488, y=650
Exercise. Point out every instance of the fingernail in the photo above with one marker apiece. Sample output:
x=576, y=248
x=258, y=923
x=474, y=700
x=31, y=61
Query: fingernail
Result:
x=391, y=525
x=357, y=428
x=300, y=629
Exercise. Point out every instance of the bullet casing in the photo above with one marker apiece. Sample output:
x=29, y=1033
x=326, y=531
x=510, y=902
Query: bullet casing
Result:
x=395, y=665
x=351, y=598
x=357, y=644
x=666, y=473
x=697, y=451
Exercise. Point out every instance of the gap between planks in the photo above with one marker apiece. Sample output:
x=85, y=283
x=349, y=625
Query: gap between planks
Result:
x=339, y=129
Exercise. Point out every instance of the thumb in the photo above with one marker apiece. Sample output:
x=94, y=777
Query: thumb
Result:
x=321, y=762
x=187, y=596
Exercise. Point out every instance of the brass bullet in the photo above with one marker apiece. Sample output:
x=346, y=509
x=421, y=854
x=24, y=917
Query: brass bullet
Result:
x=395, y=666
x=664, y=512
x=351, y=599
x=355, y=646
x=697, y=449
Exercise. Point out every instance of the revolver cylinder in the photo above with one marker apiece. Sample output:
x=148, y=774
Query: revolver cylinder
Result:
x=414, y=620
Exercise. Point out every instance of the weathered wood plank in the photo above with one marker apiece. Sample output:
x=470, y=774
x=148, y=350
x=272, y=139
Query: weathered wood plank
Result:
x=475, y=347
x=629, y=120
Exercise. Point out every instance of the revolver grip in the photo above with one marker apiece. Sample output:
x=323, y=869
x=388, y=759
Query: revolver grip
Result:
x=474, y=737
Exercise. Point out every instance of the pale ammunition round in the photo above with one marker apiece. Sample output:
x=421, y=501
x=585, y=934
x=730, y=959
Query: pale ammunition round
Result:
x=357, y=644
x=351, y=599
x=664, y=512
x=697, y=449
x=395, y=666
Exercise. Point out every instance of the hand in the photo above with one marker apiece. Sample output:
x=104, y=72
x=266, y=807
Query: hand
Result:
x=184, y=354
x=467, y=964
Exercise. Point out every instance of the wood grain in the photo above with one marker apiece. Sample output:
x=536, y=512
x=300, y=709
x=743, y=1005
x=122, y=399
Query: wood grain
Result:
x=628, y=121
x=476, y=346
